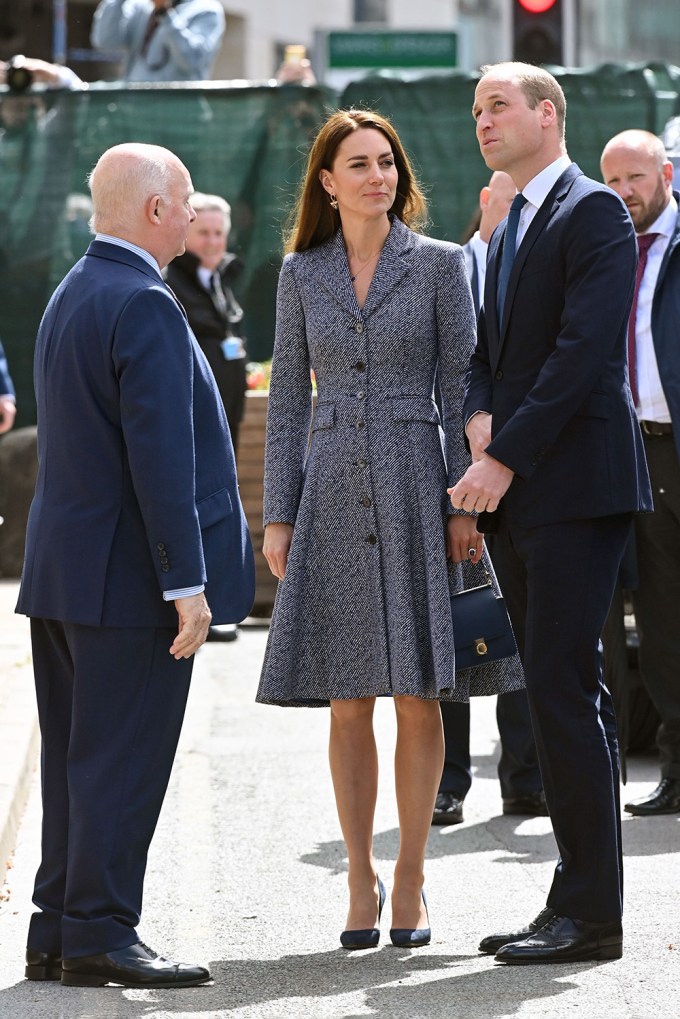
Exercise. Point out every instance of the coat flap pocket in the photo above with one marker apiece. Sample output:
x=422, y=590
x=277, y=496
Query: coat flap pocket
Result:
x=415, y=408
x=324, y=416
x=214, y=507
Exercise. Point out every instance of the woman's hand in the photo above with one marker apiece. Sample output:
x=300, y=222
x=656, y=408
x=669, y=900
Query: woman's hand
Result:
x=463, y=540
x=276, y=546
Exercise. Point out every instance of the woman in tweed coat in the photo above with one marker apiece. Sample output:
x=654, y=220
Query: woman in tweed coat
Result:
x=356, y=512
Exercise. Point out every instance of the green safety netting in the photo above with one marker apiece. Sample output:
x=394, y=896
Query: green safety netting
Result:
x=249, y=144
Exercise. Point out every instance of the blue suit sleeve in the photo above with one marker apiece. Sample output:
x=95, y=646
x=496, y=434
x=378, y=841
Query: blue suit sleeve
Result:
x=154, y=362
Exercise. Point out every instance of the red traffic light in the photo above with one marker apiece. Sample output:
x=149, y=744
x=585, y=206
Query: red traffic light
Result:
x=537, y=6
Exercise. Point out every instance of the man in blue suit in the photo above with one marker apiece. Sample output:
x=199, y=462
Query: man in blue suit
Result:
x=558, y=464
x=8, y=407
x=135, y=536
x=635, y=165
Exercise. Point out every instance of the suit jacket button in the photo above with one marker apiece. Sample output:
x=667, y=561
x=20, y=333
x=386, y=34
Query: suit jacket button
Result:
x=365, y=501
x=359, y=327
x=360, y=366
x=371, y=539
x=164, y=560
x=160, y=546
x=499, y=375
x=362, y=463
x=165, y=569
x=360, y=423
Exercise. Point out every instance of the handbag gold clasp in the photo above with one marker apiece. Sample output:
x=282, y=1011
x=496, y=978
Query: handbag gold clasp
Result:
x=480, y=646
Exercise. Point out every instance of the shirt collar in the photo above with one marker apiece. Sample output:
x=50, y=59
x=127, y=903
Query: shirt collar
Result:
x=204, y=275
x=539, y=187
x=142, y=252
x=479, y=247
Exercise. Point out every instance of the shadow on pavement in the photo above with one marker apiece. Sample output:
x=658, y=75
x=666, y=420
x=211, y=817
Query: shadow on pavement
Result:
x=381, y=975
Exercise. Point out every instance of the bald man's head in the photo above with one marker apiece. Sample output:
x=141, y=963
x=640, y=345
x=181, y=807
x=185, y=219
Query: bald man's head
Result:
x=495, y=200
x=635, y=165
x=141, y=193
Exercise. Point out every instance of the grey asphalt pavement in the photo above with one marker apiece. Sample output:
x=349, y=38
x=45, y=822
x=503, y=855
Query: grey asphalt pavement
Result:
x=247, y=873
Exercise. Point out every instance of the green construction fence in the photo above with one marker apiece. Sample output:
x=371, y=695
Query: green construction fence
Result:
x=249, y=144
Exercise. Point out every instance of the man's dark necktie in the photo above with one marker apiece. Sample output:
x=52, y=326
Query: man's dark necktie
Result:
x=151, y=26
x=508, y=257
x=644, y=243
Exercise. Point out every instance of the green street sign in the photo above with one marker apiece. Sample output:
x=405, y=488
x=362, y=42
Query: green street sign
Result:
x=392, y=49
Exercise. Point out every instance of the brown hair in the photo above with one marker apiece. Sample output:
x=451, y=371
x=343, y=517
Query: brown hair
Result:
x=313, y=221
x=536, y=84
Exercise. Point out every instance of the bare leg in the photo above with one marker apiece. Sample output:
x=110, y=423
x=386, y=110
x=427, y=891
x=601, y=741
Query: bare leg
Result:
x=418, y=763
x=354, y=769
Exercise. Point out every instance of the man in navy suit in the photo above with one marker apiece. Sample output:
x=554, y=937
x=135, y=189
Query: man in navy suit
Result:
x=135, y=536
x=635, y=165
x=558, y=464
x=518, y=772
x=8, y=407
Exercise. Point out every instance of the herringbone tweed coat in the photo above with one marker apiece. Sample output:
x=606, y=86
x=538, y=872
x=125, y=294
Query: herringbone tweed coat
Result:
x=364, y=606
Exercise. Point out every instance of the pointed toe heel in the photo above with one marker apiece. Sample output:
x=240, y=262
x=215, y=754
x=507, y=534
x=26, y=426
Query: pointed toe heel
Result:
x=407, y=937
x=368, y=938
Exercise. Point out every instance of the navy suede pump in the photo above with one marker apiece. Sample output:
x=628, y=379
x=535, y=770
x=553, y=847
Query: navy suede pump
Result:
x=406, y=937
x=367, y=938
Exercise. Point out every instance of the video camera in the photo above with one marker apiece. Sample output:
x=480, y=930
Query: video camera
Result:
x=19, y=78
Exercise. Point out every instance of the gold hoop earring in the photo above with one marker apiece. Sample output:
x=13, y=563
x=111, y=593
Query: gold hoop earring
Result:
x=334, y=202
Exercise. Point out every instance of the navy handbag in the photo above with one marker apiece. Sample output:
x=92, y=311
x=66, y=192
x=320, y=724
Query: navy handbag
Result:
x=481, y=627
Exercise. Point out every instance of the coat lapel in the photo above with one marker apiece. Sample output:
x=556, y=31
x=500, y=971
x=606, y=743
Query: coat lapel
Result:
x=333, y=270
x=549, y=207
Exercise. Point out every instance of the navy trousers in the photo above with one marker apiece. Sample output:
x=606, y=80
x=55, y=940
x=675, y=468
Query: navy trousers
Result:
x=656, y=599
x=110, y=704
x=558, y=582
x=518, y=769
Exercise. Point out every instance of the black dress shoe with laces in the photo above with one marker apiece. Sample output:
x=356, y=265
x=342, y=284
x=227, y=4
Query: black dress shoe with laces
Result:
x=564, y=940
x=530, y=805
x=493, y=942
x=135, y=966
x=42, y=965
x=448, y=809
x=665, y=799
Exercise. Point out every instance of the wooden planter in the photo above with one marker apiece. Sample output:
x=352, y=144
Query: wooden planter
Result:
x=250, y=476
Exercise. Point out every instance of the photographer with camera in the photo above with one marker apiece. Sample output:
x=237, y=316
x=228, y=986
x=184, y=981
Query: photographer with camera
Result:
x=20, y=72
x=163, y=40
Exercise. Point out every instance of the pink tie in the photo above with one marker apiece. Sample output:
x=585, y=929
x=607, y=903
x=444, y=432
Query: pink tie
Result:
x=644, y=243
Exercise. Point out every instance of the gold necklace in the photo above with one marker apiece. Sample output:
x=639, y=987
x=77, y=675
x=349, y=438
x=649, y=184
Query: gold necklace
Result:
x=364, y=266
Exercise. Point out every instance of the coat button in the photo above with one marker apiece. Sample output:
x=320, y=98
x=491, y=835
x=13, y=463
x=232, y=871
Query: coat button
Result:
x=371, y=539
x=360, y=366
x=362, y=463
x=359, y=327
x=361, y=395
x=499, y=375
x=360, y=423
x=365, y=501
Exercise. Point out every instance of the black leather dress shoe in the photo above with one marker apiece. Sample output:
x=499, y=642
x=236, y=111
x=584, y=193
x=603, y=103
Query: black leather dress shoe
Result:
x=448, y=809
x=564, y=940
x=42, y=965
x=493, y=942
x=136, y=966
x=531, y=805
x=665, y=799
